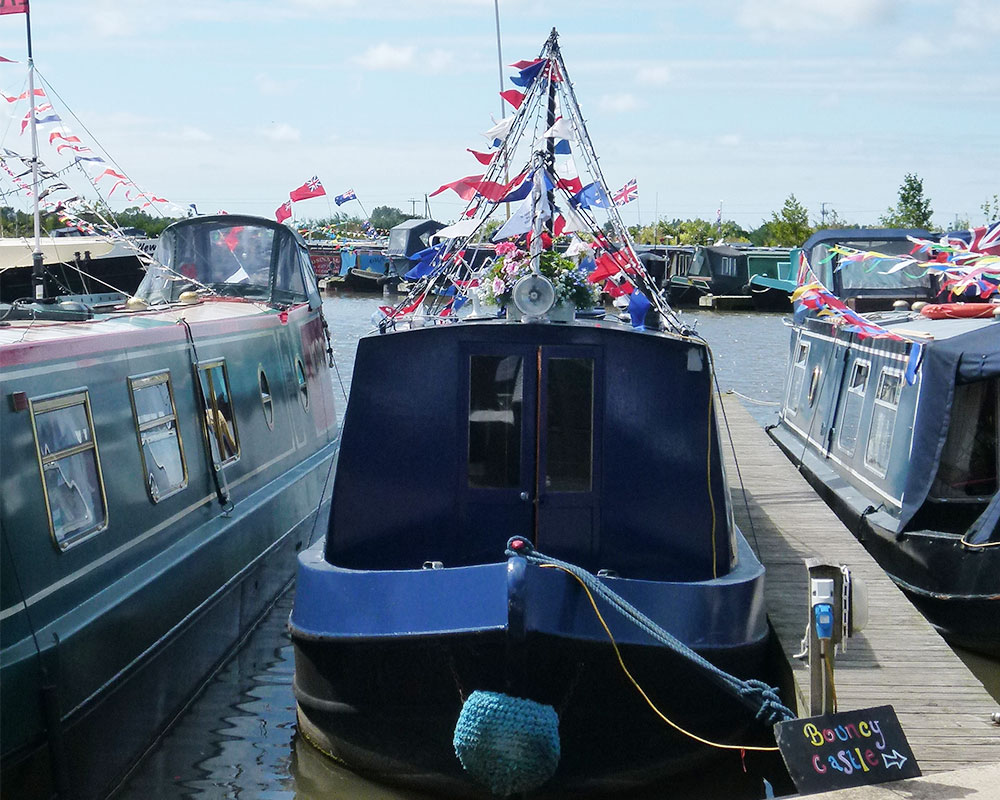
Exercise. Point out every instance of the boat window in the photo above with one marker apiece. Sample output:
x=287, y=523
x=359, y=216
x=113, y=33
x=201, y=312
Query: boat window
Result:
x=890, y=384
x=300, y=376
x=155, y=417
x=797, y=377
x=496, y=397
x=220, y=419
x=699, y=264
x=969, y=459
x=682, y=263
x=72, y=483
x=850, y=413
x=569, y=424
x=265, y=398
x=727, y=265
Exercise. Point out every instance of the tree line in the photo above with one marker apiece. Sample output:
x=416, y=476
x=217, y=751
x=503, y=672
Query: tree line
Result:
x=790, y=226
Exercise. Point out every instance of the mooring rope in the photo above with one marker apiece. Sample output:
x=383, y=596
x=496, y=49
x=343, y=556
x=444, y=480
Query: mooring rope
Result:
x=755, y=694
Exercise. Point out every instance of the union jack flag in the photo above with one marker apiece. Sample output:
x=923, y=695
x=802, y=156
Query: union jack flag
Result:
x=986, y=239
x=628, y=193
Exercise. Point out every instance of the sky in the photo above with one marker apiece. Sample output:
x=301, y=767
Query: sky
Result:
x=230, y=104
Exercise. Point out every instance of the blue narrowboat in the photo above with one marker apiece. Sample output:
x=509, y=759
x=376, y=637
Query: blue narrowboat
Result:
x=163, y=464
x=898, y=430
x=531, y=580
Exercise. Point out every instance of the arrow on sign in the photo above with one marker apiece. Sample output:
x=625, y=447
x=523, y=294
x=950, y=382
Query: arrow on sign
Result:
x=896, y=760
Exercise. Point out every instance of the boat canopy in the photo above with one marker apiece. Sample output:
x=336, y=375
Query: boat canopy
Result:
x=230, y=255
x=957, y=360
x=871, y=273
x=411, y=236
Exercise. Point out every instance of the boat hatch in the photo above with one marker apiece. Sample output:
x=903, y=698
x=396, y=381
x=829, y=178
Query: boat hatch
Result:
x=531, y=456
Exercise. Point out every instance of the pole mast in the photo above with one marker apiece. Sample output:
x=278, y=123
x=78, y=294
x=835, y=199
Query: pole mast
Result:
x=37, y=259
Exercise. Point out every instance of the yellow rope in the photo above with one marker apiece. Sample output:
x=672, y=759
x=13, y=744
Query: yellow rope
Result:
x=635, y=683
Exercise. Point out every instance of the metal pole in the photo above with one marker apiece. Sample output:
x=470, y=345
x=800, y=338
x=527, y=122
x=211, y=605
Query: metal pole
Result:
x=37, y=260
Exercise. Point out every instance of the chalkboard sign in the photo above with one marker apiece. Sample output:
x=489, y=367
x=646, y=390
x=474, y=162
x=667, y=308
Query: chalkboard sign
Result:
x=852, y=748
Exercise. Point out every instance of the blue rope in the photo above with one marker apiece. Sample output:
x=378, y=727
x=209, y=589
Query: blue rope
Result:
x=756, y=695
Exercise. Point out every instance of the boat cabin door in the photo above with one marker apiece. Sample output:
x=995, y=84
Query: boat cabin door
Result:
x=532, y=449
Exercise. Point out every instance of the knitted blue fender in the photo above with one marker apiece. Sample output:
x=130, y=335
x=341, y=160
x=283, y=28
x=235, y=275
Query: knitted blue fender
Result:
x=506, y=743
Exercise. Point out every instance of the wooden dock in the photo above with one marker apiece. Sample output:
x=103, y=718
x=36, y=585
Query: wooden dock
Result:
x=899, y=659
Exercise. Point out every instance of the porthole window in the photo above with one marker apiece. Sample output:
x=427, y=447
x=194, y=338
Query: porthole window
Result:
x=155, y=416
x=72, y=483
x=300, y=374
x=265, y=398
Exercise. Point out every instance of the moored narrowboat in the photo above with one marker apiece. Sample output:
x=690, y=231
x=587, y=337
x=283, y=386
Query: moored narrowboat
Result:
x=163, y=464
x=895, y=418
x=531, y=581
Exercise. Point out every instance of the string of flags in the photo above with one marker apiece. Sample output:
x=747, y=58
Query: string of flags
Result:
x=66, y=144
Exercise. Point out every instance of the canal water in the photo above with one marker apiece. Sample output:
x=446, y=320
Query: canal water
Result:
x=237, y=739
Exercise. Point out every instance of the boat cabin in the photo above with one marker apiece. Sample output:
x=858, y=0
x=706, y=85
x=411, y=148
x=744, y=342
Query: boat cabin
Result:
x=864, y=285
x=566, y=434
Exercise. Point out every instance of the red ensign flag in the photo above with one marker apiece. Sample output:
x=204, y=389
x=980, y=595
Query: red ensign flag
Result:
x=13, y=6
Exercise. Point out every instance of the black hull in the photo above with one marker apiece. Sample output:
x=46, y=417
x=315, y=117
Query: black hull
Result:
x=770, y=299
x=122, y=272
x=388, y=709
x=362, y=280
x=956, y=588
x=104, y=739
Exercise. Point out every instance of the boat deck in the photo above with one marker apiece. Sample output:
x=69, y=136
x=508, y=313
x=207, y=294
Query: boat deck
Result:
x=899, y=659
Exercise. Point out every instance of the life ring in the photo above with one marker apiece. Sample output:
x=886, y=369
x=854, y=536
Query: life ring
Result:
x=958, y=310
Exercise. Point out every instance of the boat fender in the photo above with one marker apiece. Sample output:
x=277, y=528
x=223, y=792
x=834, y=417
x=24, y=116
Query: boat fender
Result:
x=507, y=744
x=958, y=310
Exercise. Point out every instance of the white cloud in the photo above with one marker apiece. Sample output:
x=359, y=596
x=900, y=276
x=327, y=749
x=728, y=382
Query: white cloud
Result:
x=282, y=132
x=385, y=56
x=618, y=103
x=653, y=75
x=729, y=140
x=439, y=61
x=271, y=87
x=813, y=15
x=191, y=134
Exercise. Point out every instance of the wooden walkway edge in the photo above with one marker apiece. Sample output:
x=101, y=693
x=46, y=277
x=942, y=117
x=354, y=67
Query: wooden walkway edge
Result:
x=899, y=659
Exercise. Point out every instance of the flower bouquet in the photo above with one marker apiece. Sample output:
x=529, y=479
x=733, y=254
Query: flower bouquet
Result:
x=569, y=281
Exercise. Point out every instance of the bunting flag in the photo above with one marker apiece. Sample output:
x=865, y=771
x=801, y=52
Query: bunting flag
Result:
x=561, y=129
x=13, y=7
x=627, y=193
x=529, y=73
x=284, y=211
x=562, y=147
x=463, y=187
x=523, y=218
x=44, y=108
x=482, y=158
x=816, y=297
x=311, y=188
x=346, y=197
x=514, y=97
x=591, y=196
x=24, y=95
x=499, y=131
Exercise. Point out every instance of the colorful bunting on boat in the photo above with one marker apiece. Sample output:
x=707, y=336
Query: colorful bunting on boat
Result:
x=23, y=96
x=482, y=158
x=514, y=97
x=529, y=73
x=816, y=297
x=591, y=196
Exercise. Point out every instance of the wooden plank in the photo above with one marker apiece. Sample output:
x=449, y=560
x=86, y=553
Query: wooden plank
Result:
x=899, y=659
